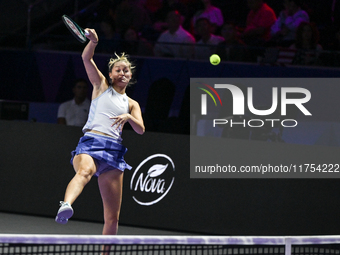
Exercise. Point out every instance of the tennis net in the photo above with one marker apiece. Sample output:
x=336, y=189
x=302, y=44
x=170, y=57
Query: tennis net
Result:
x=168, y=245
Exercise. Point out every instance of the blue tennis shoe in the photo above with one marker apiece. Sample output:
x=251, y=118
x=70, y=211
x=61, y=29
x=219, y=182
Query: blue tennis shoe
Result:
x=64, y=213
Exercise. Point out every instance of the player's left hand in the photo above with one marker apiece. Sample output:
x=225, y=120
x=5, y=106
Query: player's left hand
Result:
x=120, y=121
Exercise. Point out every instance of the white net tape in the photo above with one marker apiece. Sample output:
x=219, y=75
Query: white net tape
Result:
x=286, y=241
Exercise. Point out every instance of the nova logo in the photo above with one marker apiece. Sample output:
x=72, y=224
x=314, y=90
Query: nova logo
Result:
x=152, y=179
x=239, y=104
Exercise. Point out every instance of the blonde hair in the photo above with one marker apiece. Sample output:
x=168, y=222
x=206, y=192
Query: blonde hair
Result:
x=124, y=57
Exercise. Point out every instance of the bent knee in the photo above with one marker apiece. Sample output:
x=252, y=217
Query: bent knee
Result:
x=85, y=172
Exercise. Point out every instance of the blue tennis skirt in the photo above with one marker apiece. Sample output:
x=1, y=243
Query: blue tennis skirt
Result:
x=107, y=152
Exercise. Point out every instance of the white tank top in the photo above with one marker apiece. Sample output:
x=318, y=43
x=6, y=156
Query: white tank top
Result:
x=108, y=104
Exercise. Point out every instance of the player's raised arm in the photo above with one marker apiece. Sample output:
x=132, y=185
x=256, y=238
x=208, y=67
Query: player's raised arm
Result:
x=95, y=76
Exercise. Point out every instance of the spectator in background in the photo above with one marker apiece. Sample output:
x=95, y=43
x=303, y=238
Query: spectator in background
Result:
x=175, y=42
x=110, y=39
x=212, y=13
x=232, y=48
x=131, y=13
x=135, y=44
x=284, y=29
x=75, y=111
x=259, y=21
x=159, y=18
x=206, y=46
x=308, y=49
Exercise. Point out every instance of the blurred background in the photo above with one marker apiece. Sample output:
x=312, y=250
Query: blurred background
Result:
x=41, y=60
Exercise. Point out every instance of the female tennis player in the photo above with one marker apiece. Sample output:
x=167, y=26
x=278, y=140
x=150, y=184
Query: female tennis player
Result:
x=100, y=151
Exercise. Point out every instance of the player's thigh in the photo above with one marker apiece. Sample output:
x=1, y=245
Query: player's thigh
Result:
x=111, y=186
x=85, y=163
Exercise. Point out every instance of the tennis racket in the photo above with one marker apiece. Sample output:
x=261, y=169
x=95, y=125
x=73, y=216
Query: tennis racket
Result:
x=78, y=32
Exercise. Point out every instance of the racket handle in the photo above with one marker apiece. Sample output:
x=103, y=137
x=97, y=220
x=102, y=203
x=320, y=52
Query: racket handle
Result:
x=86, y=32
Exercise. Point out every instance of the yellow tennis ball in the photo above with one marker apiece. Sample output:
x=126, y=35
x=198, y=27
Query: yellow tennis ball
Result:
x=215, y=59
